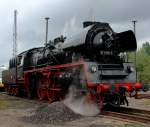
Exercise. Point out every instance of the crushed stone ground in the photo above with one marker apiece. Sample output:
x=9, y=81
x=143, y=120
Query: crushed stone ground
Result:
x=55, y=113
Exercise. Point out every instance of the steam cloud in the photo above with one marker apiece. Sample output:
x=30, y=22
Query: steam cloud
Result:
x=79, y=104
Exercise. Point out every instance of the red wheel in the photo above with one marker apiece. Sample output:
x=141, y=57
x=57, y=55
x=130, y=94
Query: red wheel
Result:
x=41, y=93
x=50, y=96
x=61, y=97
x=101, y=102
x=10, y=91
x=41, y=90
x=14, y=91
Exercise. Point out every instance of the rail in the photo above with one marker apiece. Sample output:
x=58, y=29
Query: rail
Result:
x=137, y=115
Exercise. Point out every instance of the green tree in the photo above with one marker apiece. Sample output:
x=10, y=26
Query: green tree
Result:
x=143, y=62
x=146, y=47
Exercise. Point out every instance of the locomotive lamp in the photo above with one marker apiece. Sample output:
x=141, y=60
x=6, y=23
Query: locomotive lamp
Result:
x=130, y=69
x=94, y=68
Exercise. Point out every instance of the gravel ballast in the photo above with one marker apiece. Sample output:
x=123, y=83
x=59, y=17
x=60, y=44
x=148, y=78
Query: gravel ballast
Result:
x=55, y=113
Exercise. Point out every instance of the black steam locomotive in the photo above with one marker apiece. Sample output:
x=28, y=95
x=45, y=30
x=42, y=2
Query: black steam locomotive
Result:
x=95, y=61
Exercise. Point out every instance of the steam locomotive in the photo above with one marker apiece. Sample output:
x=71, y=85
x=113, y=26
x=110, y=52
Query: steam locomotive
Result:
x=94, y=62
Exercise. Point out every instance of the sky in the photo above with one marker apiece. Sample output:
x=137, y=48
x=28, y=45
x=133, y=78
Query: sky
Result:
x=66, y=17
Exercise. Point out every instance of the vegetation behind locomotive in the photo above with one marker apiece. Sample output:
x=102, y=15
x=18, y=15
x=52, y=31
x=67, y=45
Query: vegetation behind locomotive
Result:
x=95, y=61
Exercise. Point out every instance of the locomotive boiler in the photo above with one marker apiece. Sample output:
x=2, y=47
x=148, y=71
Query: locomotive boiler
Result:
x=94, y=61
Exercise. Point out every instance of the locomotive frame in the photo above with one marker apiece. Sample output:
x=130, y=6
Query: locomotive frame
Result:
x=46, y=89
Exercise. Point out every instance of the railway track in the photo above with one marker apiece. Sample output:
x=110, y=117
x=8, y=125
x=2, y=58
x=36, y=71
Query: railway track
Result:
x=124, y=113
x=137, y=115
x=143, y=96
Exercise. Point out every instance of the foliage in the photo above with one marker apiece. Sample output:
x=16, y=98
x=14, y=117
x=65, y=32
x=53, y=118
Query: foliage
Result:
x=146, y=47
x=143, y=62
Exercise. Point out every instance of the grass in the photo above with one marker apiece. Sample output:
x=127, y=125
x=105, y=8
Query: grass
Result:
x=3, y=104
x=7, y=102
x=43, y=107
x=147, y=102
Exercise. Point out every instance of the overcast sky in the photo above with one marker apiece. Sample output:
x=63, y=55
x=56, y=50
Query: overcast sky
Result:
x=66, y=17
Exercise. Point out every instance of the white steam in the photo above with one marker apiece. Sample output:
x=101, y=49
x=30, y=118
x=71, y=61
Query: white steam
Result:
x=80, y=104
x=71, y=27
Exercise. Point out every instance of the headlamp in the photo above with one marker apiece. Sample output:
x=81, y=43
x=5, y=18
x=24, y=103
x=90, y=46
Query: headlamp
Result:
x=93, y=68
